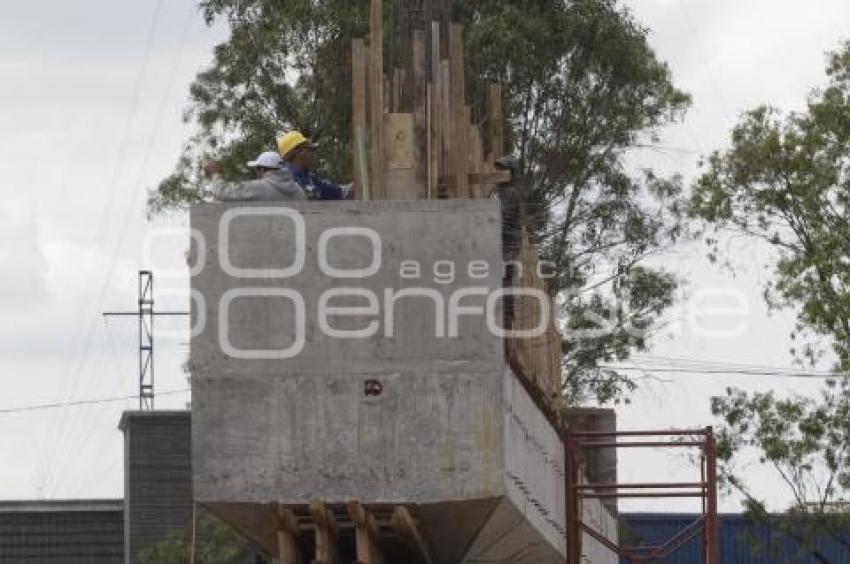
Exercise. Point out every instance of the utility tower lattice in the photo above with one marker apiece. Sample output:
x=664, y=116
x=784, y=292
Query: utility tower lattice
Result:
x=146, y=315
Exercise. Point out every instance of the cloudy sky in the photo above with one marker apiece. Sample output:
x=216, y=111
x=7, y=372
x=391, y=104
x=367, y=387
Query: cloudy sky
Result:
x=91, y=96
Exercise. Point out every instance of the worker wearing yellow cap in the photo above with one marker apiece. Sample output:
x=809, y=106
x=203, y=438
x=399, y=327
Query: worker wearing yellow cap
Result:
x=299, y=156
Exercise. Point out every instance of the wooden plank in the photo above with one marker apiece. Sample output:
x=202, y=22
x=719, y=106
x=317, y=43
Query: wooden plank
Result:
x=428, y=18
x=366, y=534
x=434, y=76
x=459, y=159
x=358, y=99
x=446, y=168
x=326, y=532
x=406, y=528
x=287, y=537
x=488, y=177
x=396, y=92
x=475, y=159
x=404, y=101
x=399, y=130
x=432, y=148
x=420, y=112
x=496, y=123
x=435, y=113
x=376, y=93
x=400, y=162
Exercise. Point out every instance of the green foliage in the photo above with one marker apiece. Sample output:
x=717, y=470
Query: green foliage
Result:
x=785, y=181
x=582, y=87
x=807, y=442
x=216, y=544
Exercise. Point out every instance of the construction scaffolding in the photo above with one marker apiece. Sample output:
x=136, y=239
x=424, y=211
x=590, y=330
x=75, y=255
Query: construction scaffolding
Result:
x=577, y=444
x=415, y=137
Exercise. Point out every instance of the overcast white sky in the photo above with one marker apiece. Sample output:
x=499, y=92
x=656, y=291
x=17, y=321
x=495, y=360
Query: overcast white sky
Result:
x=91, y=96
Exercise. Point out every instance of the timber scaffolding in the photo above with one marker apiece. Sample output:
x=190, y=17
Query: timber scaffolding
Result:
x=417, y=137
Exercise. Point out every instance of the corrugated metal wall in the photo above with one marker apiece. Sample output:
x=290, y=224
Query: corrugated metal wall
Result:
x=43, y=534
x=741, y=540
x=157, y=477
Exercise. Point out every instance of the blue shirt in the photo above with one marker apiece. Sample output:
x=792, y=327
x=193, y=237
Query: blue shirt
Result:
x=315, y=187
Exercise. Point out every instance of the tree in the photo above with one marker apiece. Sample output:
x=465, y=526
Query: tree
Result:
x=582, y=88
x=806, y=442
x=784, y=181
x=216, y=544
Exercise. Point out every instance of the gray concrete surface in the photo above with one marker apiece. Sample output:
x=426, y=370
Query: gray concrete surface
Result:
x=451, y=433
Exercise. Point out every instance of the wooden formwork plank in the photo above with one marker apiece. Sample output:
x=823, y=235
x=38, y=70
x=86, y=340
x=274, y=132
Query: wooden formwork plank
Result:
x=400, y=158
x=358, y=98
x=366, y=534
x=495, y=122
x=419, y=94
x=489, y=177
x=459, y=159
x=428, y=18
x=396, y=95
x=326, y=533
x=435, y=113
x=287, y=537
x=399, y=132
x=476, y=158
x=445, y=126
x=430, y=154
x=407, y=529
x=376, y=94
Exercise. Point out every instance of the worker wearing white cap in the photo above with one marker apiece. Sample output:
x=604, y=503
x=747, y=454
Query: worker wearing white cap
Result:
x=273, y=182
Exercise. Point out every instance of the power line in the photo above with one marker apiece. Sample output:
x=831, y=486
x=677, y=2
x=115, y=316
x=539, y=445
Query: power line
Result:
x=44, y=406
x=52, y=446
x=721, y=371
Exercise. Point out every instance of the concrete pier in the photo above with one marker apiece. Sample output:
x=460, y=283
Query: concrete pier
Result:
x=353, y=351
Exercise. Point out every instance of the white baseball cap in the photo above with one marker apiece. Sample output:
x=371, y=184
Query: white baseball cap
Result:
x=269, y=159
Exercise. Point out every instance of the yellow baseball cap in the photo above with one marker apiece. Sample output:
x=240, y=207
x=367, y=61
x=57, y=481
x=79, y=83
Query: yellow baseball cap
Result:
x=291, y=141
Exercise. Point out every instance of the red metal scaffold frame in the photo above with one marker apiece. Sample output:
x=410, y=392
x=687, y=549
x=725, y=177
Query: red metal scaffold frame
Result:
x=706, y=489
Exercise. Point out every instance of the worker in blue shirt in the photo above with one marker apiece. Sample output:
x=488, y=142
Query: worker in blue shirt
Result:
x=299, y=155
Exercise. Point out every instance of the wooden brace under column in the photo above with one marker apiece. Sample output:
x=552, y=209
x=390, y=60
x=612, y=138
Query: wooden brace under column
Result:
x=406, y=528
x=326, y=532
x=366, y=531
x=287, y=537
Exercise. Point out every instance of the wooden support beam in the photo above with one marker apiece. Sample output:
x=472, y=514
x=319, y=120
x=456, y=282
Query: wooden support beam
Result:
x=435, y=114
x=419, y=94
x=358, y=98
x=376, y=95
x=496, y=123
x=406, y=528
x=459, y=159
x=396, y=96
x=445, y=127
x=366, y=533
x=326, y=533
x=428, y=18
x=476, y=159
x=497, y=177
x=400, y=159
x=287, y=536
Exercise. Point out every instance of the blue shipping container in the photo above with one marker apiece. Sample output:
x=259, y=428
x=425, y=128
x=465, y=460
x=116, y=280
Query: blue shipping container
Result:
x=741, y=540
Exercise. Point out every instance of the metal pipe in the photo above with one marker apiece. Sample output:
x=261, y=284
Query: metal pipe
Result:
x=671, y=433
x=711, y=524
x=602, y=539
x=644, y=494
x=612, y=444
x=640, y=485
